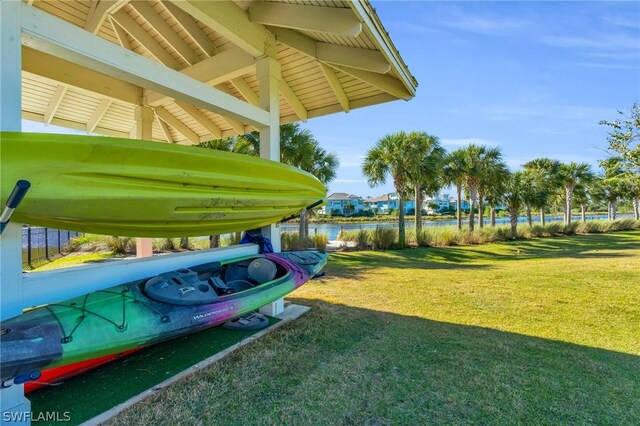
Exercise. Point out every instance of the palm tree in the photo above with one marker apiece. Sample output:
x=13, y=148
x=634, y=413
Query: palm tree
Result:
x=424, y=168
x=453, y=174
x=390, y=156
x=494, y=175
x=494, y=197
x=479, y=164
x=513, y=198
x=573, y=174
x=546, y=172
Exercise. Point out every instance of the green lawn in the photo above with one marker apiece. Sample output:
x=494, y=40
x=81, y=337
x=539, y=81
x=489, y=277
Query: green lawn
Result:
x=541, y=331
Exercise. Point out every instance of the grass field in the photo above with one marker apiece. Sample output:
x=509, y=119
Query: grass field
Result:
x=543, y=331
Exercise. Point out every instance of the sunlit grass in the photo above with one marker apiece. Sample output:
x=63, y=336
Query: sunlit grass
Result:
x=542, y=331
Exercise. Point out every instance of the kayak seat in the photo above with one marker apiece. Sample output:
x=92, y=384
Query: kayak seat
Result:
x=240, y=285
x=220, y=286
x=180, y=287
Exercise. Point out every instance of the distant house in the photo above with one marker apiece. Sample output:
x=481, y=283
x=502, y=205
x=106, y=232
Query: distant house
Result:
x=464, y=205
x=344, y=204
x=388, y=202
x=443, y=202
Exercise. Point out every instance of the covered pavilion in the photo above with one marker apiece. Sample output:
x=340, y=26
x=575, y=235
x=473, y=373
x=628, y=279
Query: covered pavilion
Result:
x=179, y=72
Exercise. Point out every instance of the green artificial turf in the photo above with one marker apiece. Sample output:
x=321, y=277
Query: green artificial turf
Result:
x=542, y=331
x=94, y=392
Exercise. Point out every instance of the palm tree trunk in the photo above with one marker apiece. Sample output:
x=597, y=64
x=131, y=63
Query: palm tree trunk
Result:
x=301, y=226
x=513, y=216
x=636, y=208
x=401, y=234
x=614, y=210
x=184, y=243
x=459, y=207
x=542, y=218
x=472, y=213
x=569, y=200
x=306, y=224
x=214, y=241
x=529, y=218
x=480, y=210
x=609, y=210
x=493, y=216
x=583, y=212
x=418, y=205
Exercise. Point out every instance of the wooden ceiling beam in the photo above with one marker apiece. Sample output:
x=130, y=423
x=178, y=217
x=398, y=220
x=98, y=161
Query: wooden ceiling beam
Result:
x=180, y=127
x=167, y=33
x=307, y=18
x=197, y=115
x=355, y=57
x=231, y=22
x=383, y=82
x=335, y=85
x=98, y=13
x=217, y=69
x=121, y=34
x=364, y=59
x=165, y=129
x=52, y=69
x=134, y=29
x=191, y=27
x=245, y=90
x=292, y=100
x=54, y=103
x=98, y=114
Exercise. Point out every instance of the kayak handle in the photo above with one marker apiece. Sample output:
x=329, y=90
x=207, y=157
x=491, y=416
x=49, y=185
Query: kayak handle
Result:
x=21, y=378
x=16, y=196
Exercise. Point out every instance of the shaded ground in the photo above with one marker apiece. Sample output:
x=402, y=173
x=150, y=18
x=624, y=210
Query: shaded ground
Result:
x=539, y=331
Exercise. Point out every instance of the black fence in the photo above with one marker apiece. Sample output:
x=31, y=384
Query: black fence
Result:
x=41, y=244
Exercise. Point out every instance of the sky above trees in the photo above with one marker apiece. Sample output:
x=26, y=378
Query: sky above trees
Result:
x=534, y=78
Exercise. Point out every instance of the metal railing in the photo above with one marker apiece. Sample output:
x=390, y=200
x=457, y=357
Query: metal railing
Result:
x=41, y=244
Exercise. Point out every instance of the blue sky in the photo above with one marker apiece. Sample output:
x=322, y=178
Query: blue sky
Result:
x=534, y=78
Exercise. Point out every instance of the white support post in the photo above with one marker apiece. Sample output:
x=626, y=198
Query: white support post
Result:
x=14, y=406
x=268, y=77
x=144, y=127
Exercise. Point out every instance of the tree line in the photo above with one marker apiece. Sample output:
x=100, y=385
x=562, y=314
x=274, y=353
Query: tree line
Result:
x=418, y=165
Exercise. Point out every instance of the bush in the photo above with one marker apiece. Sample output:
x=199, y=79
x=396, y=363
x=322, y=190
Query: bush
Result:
x=361, y=238
x=122, y=245
x=320, y=241
x=230, y=239
x=165, y=244
x=423, y=238
x=445, y=236
x=384, y=237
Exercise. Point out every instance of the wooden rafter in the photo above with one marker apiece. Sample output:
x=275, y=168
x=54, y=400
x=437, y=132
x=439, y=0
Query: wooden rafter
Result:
x=98, y=114
x=214, y=70
x=180, y=127
x=145, y=39
x=165, y=129
x=246, y=91
x=54, y=103
x=307, y=18
x=231, y=22
x=190, y=27
x=202, y=119
x=121, y=34
x=163, y=28
x=292, y=100
x=99, y=11
x=383, y=82
x=355, y=57
x=332, y=78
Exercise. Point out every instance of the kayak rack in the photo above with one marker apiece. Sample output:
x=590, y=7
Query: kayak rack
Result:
x=16, y=196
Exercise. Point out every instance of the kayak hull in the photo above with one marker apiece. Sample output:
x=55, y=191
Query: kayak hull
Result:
x=124, y=318
x=147, y=189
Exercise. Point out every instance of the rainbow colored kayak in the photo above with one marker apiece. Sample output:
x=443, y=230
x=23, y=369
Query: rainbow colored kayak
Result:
x=138, y=188
x=145, y=312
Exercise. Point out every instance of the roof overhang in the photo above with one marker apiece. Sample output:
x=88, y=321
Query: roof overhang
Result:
x=333, y=56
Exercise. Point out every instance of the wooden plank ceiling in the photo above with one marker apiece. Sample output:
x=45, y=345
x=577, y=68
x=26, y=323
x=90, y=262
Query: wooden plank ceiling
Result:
x=330, y=62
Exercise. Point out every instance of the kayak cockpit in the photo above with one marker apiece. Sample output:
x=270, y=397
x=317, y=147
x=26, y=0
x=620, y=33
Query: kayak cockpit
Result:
x=206, y=283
